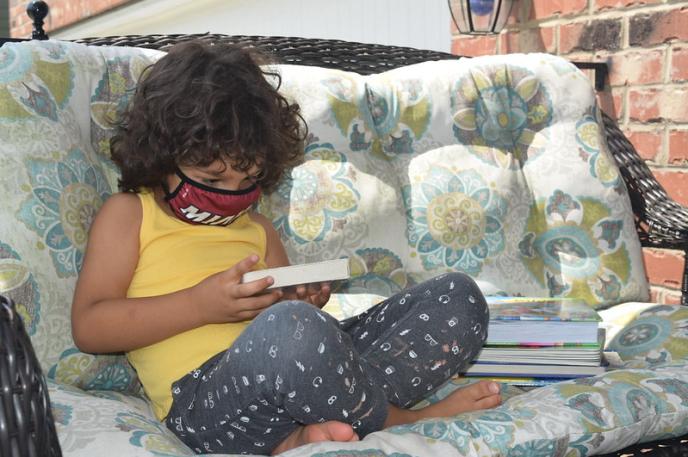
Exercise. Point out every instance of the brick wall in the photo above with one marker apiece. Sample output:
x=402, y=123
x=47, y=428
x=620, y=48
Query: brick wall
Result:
x=645, y=43
x=62, y=13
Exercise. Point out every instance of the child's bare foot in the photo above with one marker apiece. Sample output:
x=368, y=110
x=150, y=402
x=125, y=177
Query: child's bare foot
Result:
x=314, y=433
x=481, y=395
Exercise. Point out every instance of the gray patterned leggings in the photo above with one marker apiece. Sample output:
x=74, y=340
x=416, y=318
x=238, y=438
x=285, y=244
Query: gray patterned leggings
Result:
x=295, y=364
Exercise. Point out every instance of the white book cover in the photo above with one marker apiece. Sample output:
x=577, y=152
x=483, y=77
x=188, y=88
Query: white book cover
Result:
x=305, y=273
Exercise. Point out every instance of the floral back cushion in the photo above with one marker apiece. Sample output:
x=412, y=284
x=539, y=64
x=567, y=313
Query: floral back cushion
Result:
x=494, y=166
x=54, y=175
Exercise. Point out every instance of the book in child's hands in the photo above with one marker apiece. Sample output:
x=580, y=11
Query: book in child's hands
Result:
x=305, y=273
x=534, y=320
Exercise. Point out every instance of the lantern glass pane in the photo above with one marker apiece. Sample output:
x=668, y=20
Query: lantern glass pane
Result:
x=480, y=16
x=502, y=16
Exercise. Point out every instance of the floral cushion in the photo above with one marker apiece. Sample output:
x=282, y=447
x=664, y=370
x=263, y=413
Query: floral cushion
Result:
x=657, y=335
x=54, y=175
x=583, y=417
x=493, y=166
x=436, y=166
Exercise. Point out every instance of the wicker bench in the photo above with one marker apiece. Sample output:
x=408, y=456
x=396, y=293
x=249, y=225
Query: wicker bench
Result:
x=660, y=222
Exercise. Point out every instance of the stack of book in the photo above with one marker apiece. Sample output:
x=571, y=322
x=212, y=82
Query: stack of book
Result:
x=536, y=341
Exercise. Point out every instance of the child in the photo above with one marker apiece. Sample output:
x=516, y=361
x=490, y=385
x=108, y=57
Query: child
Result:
x=231, y=367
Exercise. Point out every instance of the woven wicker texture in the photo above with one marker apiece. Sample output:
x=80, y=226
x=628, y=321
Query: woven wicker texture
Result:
x=674, y=447
x=663, y=222
x=26, y=423
x=343, y=55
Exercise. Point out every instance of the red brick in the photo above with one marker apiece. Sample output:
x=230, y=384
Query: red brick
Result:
x=465, y=45
x=509, y=42
x=529, y=40
x=547, y=8
x=652, y=105
x=674, y=103
x=679, y=64
x=644, y=105
x=678, y=147
x=648, y=144
x=664, y=296
x=671, y=298
x=664, y=267
x=612, y=102
x=675, y=182
x=658, y=28
x=62, y=13
x=606, y=4
x=640, y=67
x=569, y=35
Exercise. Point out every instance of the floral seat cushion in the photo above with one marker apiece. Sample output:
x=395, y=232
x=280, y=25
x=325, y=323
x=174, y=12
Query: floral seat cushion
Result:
x=582, y=417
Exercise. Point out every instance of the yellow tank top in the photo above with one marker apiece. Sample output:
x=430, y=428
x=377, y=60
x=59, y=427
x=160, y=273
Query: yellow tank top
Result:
x=174, y=255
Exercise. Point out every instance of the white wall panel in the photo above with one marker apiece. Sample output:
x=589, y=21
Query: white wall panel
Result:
x=418, y=23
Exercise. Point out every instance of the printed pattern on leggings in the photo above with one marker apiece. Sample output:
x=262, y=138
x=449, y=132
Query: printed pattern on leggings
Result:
x=295, y=365
x=421, y=337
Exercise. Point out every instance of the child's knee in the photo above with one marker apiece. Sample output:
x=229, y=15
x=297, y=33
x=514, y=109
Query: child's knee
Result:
x=296, y=322
x=465, y=297
x=462, y=285
x=292, y=310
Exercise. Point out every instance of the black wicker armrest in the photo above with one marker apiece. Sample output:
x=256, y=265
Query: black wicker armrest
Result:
x=661, y=221
x=27, y=428
x=362, y=58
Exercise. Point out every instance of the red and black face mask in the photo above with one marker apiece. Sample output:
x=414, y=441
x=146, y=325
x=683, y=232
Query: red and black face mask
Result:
x=196, y=203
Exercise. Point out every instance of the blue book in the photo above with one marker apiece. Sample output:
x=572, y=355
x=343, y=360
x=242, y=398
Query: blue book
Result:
x=538, y=321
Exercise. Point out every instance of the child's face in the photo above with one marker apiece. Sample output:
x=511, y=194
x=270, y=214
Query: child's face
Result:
x=218, y=174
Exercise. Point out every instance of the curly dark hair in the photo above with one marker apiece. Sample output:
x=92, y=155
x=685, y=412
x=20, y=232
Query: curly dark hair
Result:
x=203, y=102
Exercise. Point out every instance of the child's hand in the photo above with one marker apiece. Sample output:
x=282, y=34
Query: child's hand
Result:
x=223, y=298
x=316, y=294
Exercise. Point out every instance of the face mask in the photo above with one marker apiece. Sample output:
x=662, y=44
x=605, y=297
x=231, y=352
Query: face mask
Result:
x=197, y=203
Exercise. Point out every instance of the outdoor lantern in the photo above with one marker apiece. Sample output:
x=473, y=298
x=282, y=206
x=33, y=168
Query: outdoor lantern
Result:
x=480, y=17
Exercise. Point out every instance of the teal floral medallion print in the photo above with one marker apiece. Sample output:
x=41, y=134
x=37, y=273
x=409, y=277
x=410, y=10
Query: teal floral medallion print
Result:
x=386, y=121
x=492, y=426
x=319, y=194
x=111, y=96
x=18, y=283
x=588, y=139
x=501, y=113
x=376, y=271
x=62, y=414
x=658, y=335
x=89, y=372
x=362, y=453
x=150, y=434
x=575, y=250
x=34, y=81
x=63, y=197
x=539, y=448
x=454, y=220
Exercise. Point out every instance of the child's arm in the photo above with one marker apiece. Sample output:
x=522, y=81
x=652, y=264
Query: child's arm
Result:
x=105, y=320
x=276, y=256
